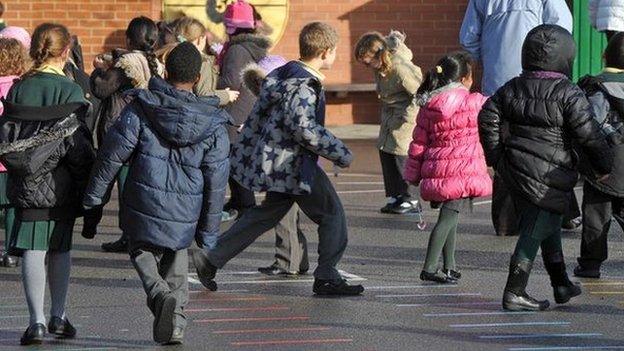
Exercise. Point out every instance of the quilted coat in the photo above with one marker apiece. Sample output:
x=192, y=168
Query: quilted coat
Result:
x=607, y=15
x=279, y=145
x=178, y=147
x=445, y=155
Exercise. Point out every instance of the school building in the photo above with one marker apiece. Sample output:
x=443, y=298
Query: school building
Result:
x=432, y=28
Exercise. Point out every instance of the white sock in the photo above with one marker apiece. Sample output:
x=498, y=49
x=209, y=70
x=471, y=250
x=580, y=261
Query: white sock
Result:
x=33, y=278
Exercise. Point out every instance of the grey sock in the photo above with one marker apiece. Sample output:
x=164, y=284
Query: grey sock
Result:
x=59, y=267
x=33, y=277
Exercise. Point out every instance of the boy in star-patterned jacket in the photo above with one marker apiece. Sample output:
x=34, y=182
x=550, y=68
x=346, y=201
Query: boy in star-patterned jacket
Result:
x=277, y=152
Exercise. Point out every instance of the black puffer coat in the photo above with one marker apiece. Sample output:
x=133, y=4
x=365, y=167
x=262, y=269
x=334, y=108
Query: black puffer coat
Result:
x=48, y=153
x=528, y=128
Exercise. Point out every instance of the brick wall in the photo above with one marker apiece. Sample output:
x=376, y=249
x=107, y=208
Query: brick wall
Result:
x=432, y=28
x=98, y=23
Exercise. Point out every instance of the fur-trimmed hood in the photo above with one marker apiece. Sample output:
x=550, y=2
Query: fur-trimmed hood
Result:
x=396, y=44
x=135, y=66
x=252, y=77
x=258, y=45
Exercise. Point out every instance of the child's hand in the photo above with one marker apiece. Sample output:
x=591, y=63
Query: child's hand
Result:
x=232, y=94
x=101, y=62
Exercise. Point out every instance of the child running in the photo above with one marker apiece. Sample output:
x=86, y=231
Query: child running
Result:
x=176, y=184
x=278, y=153
x=446, y=158
x=528, y=129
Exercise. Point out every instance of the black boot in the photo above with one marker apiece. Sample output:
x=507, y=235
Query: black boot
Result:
x=515, y=297
x=563, y=288
x=61, y=327
x=33, y=335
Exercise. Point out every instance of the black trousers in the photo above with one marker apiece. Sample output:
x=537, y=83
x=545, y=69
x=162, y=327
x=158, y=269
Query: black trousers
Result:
x=241, y=198
x=392, y=169
x=598, y=208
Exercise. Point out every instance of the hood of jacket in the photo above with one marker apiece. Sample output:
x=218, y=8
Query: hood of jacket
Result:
x=549, y=47
x=396, y=44
x=282, y=81
x=135, y=66
x=180, y=117
x=258, y=45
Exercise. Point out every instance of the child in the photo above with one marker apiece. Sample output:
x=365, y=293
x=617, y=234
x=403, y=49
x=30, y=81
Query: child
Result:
x=397, y=81
x=527, y=130
x=14, y=46
x=176, y=185
x=48, y=154
x=116, y=73
x=244, y=46
x=445, y=156
x=282, y=160
x=601, y=200
x=190, y=29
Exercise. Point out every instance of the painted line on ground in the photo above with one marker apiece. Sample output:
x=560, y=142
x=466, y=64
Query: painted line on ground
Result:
x=239, y=309
x=426, y=295
x=286, y=280
x=532, y=336
x=356, y=174
x=603, y=284
x=359, y=183
x=563, y=348
x=219, y=299
x=390, y=287
x=290, y=342
x=276, y=330
x=449, y=304
x=515, y=324
x=220, y=291
x=345, y=192
x=606, y=292
x=19, y=316
x=463, y=314
x=252, y=319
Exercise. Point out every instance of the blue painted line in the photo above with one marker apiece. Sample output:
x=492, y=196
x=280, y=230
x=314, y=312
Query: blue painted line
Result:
x=531, y=336
x=481, y=325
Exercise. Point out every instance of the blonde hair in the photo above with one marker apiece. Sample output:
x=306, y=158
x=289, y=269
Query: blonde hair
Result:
x=374, y=43
x=49, y=41
x=189, y=29
x=13, y=57
x=315, y=38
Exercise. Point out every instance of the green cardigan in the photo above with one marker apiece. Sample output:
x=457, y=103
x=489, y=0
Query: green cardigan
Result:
x=45, y=89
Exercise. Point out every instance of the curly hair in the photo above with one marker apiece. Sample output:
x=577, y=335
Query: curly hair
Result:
x=13, y=57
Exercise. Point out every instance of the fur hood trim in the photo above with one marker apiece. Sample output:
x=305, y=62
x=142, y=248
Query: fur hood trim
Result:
x=252, y=76
x=135, y=66
x=61, y=130
x=262, y=41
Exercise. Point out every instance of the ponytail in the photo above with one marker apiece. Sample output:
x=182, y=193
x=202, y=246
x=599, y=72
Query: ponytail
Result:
x=142, y=34
x=49, y=41
x=451, y=68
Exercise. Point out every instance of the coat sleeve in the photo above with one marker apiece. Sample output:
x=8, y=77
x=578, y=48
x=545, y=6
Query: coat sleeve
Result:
x=557, y=12
x=490, y=122
x=215, y=168
x=586, y=131
x=470, y=32
x=119, y=144
x=106, y=82
x=417, y=148
x=411, y=78
x=593, y=12
x=80, y=157
x=300, y=119
x=235, y=60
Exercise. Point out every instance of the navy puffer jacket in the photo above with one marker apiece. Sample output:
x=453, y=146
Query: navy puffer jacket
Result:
x=177, y=146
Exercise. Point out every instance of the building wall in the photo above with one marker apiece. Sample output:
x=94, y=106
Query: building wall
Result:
x=432, y=28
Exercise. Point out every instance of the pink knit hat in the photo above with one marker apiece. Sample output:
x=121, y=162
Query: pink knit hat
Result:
x=238, y=15
x=18, y=33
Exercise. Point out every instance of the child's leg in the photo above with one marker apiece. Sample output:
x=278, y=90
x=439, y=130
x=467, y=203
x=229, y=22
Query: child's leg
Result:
x=59, y=267
x=146, y=265
x=33, y=278
x=448, y=252
x=324, y=208
x=173, y=267
x=447, y=220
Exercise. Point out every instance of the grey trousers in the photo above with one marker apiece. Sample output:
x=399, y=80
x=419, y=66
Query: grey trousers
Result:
x=322, y=206
x=161, y=272
x=291, y=246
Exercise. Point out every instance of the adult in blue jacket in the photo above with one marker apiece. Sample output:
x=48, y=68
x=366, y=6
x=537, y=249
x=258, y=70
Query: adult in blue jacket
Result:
x=493, y=32
x=177, y=146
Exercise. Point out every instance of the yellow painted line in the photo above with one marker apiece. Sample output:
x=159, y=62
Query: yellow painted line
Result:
x=604, y=284
x=607, y=292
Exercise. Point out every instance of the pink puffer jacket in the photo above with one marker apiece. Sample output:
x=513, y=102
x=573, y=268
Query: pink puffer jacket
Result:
x=445, y=155
x=6, y=83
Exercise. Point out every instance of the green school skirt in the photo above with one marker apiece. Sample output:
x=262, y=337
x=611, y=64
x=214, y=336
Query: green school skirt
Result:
x=4, y=178
x=41, y=235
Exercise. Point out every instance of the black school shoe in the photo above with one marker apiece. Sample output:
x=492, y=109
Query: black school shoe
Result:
x=273, y=270
x=119, y=246
x=437, y=277
x=61, y=327
x=206, y=272
x=8, y=261
x=177, y=337
x=164, y=318
x=338, y=288
x=452, y=274
x=33, y=335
